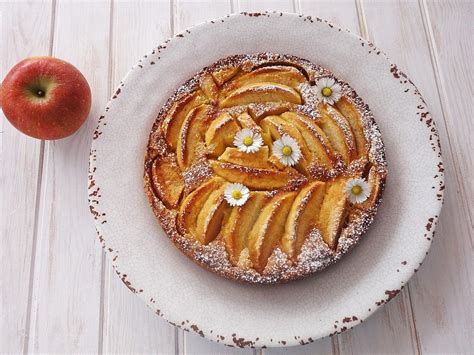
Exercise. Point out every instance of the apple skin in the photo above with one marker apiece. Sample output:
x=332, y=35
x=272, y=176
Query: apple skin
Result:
x=45, y=98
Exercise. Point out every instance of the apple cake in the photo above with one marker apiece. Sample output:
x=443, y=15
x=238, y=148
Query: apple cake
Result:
x=265, y=168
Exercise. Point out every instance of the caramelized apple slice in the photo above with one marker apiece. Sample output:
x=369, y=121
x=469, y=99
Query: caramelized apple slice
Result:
x=246, y=121
x=240, y=222
x=254, y=178
x=174, y=119
x=262, y=110
x=167, y=180
x=314, y=137
x=192, y=205
x=223, y=75
x=268, y=229
x=284, y=75
x=353, y=116
x=273, y=128
x=374, y=180
x=333, y=212
x=277, y=126
x=209, y=87
x=191, y=142
x=259, y=159
x=261, y=92
x=209, y=221
x=303, y=216
x=275, y=162
x=221, y=134
x=338, y=131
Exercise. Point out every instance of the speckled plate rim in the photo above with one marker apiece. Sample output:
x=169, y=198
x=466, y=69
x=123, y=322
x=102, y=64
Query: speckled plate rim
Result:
x=120, y=232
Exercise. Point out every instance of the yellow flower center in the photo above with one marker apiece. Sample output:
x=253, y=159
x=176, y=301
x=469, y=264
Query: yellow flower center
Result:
x=356, y=190
x=236, y=194
x=248, y=141
x=326, y=91
x=287, y=150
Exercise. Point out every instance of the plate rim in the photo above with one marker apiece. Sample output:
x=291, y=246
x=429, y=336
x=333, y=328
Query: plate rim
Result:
x=234, y=340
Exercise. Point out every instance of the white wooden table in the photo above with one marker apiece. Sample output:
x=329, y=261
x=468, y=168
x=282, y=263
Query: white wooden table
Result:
x=58, y=293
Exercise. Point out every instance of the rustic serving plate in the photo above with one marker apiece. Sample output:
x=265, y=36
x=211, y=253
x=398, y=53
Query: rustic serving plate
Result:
x=299, y=312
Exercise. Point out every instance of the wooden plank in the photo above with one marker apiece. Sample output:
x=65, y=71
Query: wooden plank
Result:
x=67, y=280
x=342, y=13
x=439, y=309
x=440, y=290
x=20, y=174
x=444, y=22
x=267, y=5
x=129, y=326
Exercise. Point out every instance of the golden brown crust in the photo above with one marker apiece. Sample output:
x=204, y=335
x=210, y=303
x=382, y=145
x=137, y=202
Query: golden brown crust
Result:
x=297, y=220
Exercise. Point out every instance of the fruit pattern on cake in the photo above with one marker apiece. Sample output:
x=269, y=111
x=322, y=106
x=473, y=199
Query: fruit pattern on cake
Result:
x=286, y=202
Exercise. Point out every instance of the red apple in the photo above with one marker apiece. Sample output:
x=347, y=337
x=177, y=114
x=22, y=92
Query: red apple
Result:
x=45, y=97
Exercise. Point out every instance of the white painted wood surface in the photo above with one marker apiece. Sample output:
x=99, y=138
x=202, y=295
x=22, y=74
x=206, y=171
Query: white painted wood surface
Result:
x=58, y=293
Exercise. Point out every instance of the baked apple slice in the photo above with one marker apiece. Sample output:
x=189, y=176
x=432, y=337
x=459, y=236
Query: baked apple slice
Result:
x=303, y=216
x=221, y=134
x=209, y=221
x=246, y=121
x=254, y=178
x=268, y=229
x=273, y=128
x=173, y=121
x=167, y=180
x=259, y=159
x=223, y=75
x=260, y=92
x=338, y=131
x=279, y=74
x=314, y=137
x=262, y=110
x=277, y=126
x=192, y=204
x=209, y=87
x=240, y=222
x=333, y=212
x=374, y=180
x=191, y=140
x=353, y=116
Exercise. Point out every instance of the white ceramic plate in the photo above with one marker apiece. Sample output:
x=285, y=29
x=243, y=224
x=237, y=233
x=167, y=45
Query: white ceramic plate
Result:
x=298, y=312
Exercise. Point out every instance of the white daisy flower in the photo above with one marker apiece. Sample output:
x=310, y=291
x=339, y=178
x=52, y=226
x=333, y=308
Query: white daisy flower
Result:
x=328, y=91
x=248, y=141
x=236, y=194
x=287, y=150
x=357, y=190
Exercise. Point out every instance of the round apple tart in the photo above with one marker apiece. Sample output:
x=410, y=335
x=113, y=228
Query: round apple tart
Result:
x=265, y=168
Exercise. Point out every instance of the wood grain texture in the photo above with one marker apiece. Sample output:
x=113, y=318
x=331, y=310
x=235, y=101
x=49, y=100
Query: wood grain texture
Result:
x=438, y=291
x=20, y=173
x=342, y=13
x=452, y=60
x=129, y=326
x=265, y=5
x=67, y=279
